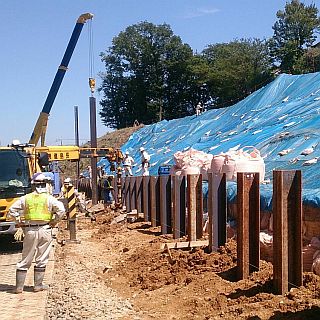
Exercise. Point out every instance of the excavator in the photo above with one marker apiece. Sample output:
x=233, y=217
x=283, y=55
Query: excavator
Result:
x=18, y=162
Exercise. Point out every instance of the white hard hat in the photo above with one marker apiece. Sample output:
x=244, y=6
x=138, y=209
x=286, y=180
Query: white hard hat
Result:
x=127, y=152
x=39, y=178
x=67, y=180
x=141, y=149
x=49, y=176
x=16, y=142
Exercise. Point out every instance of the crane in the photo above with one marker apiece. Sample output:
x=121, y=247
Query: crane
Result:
x=40, y=128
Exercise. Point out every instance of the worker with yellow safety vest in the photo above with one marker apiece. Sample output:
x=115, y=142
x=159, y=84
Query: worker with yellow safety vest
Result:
x=36, y=213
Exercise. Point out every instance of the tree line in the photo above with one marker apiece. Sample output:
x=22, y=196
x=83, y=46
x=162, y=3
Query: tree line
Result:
x=151, y=75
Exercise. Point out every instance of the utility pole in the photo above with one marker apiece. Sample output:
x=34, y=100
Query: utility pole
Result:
x=76, y=134
x=93, y=141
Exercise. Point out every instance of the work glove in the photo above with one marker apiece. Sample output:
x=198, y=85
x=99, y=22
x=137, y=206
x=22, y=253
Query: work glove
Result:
x=19, y=235
x=54, y=233
x=53, y=223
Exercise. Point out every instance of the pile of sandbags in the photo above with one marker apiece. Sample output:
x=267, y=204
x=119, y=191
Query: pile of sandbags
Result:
x=311, y=256
x=266, y=246
x=246, y=159
x=191, y=162
x=310, y=252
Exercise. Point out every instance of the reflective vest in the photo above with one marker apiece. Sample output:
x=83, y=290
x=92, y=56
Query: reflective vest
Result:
x=37, y=207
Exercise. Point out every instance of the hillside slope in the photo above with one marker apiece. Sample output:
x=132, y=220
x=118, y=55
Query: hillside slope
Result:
x=117, y=138
x=281, y=120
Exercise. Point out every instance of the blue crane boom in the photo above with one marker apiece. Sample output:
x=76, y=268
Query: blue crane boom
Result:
x=40, y=128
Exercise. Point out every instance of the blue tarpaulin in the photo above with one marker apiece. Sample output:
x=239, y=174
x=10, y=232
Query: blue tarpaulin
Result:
x=282, y=117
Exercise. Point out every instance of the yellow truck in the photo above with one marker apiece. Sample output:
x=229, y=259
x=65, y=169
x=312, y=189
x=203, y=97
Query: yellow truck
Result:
x=17, y=165
x=19, y=162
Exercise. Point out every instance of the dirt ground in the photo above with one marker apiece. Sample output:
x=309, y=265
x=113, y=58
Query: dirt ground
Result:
x=126, y=259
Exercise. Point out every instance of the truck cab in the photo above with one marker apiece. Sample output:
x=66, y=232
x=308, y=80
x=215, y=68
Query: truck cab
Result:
x=16, y=169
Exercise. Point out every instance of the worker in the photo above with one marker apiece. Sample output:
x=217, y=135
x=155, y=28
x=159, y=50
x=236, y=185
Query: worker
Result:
x=89, y=169
x=107, y=189
x=41, y=212
x=145, y=161
x=198, y=109
x=50, y=181
x=64, y=189
x=127, y=164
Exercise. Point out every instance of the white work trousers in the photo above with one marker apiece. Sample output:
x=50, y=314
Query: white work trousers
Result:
x=127, y=170
x=37, y=244
x=145, y=168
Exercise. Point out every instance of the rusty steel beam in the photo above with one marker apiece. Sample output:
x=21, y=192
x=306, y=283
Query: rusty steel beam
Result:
x=123, y=199
x=155, y=201
x=287, y=230
x=199, y=208
x=165, y=204
x=115, y=190
x=217, y=210
x=178, y=206
x=133, y=204
x=248, y=224
x=192, y=181
x=139, y=193
x=127, y=194
x=146, y=198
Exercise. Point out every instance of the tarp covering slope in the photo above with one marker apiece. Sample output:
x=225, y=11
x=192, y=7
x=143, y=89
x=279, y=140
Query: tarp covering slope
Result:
x=282, y=116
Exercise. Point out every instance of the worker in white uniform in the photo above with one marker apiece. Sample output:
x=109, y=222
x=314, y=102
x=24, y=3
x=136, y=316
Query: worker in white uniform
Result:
x=145, y=161
x=36, y=213
x=127, y=164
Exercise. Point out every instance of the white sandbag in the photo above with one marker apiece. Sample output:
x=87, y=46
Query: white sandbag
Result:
x=266, y=246
x=316, y=263
x=243, y=161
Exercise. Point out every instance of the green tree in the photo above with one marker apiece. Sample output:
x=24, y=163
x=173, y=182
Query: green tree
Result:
x=237, y=69
x=146, y=76
x=294, y=32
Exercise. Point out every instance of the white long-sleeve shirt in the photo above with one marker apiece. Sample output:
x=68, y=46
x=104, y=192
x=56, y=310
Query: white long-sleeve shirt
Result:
x=145, y=157
x=128, y=161
x=55, y=206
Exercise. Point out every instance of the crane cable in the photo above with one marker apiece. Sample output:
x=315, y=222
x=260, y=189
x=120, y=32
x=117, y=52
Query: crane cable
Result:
x=92, y=81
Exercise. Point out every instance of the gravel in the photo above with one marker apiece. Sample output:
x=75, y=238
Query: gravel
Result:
x=77, y=291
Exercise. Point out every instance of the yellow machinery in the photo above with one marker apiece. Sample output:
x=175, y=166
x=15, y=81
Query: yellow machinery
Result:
x=19, y=162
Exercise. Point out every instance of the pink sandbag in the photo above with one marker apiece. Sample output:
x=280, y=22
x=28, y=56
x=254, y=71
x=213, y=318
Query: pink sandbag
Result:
x=190, y=170
x=228, y=168
x=242, y=161
x=316, y=263
x=307, y=256
x=310, y=256
x=192, y=162
x=264, y=220
x=217, y=163
x=174, y=170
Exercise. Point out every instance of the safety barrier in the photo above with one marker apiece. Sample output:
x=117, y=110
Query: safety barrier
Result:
x=175, y=203
x=71, y=213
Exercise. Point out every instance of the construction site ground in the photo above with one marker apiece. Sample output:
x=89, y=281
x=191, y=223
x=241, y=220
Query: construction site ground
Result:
x=118, y=271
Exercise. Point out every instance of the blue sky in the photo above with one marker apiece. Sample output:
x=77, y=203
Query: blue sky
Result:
x=35, y=35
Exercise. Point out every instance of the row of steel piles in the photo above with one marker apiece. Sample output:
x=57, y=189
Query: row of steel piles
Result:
x=176, y=204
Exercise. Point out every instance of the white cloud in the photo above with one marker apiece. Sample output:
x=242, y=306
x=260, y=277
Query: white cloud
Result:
x=200, y=12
